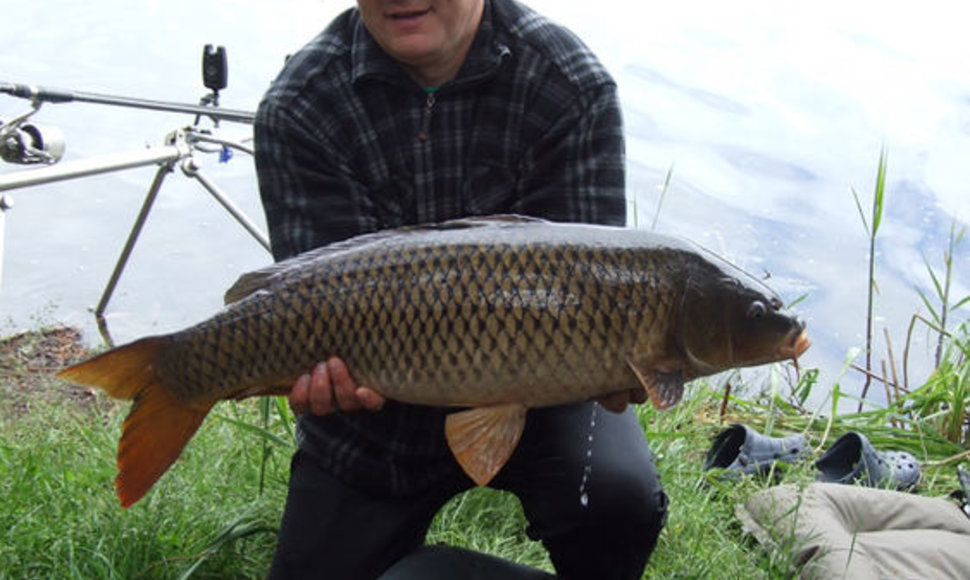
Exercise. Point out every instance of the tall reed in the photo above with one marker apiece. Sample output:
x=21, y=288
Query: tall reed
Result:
x=871, y=232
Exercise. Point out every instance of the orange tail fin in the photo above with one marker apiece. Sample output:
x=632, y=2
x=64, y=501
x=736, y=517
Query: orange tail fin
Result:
x=158, y=425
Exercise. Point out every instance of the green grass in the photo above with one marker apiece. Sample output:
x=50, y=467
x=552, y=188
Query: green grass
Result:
x=208, y=518
x=59, y=517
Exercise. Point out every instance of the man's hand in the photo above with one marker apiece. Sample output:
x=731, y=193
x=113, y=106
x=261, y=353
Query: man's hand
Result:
x=618, y=401
x=330, y=388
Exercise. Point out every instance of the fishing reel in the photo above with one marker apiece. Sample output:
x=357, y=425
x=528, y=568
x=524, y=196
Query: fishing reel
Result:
x=28, y=144
x=31, y=144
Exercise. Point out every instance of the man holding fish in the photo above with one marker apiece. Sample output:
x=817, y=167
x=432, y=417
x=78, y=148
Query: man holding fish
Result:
x=410, y=112
x=464, y=351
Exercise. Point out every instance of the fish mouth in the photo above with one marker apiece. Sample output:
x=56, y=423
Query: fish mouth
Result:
x=798, y=344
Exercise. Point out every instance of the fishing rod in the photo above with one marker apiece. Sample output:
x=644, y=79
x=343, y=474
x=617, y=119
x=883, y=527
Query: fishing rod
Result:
x=214, y=77
x=51, y=95
x=24, y=143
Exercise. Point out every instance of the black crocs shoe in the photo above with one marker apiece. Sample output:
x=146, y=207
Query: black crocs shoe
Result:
x=743, y=450
x=852, y=458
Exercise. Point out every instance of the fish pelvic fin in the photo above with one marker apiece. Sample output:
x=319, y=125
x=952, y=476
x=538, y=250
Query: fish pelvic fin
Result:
x=482, y=439
x=158, y=425
x=665, y=389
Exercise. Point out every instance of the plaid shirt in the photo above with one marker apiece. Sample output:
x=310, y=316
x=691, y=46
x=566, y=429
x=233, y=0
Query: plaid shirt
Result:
x=347, y=143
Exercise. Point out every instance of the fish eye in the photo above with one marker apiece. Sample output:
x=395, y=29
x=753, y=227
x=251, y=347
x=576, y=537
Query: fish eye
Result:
x=776, y=304
x=757, y=310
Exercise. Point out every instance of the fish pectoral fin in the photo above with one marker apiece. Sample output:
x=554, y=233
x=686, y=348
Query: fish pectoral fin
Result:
x=482, y=439
x=665, y=389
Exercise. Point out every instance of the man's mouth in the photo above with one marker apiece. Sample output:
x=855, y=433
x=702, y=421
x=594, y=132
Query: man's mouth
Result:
x=409, y=15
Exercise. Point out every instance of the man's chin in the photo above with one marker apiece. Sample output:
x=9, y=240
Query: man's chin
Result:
x=414, y=49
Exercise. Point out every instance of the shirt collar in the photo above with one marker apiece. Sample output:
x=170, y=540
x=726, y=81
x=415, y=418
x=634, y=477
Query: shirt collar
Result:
x=487, y=53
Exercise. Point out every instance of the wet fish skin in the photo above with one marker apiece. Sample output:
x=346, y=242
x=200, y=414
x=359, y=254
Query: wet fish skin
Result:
x=497, y=314
x=444, y=325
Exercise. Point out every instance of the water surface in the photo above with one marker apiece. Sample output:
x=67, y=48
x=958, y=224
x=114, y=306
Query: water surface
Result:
x=767, y=114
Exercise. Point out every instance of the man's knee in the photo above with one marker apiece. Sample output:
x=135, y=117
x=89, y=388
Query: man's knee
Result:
x=614, y=533
x=633, y=502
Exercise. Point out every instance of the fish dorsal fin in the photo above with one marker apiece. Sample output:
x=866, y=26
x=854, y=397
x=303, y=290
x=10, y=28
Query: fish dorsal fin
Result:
x=264, y=278
x=248, y=283
x=482, y=439
x=496, y=220
x=665, y=389
x=500, y=218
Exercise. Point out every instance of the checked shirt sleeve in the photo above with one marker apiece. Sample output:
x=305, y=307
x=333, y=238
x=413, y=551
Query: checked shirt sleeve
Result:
x=575, y=172
x=308, y=189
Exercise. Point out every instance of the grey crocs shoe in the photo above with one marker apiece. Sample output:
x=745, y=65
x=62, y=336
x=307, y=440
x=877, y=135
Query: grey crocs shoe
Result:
x=964, y=478
x=741, y=449
x=852, y=458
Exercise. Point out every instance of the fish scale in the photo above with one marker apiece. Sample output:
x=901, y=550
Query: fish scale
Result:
x=425, y=330
x=430, y=311
x=496, y=315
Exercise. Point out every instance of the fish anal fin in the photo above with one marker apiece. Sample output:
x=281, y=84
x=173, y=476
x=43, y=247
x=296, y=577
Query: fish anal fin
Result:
x=483, y=438
x=665, y=389
x=153, y=436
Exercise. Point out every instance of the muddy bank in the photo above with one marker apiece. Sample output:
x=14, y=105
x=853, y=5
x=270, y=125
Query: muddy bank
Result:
x=28, y=363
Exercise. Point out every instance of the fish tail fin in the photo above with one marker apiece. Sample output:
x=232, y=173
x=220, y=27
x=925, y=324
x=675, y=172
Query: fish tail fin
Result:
x=121, y=372
x=158, y=425
x=153, y=435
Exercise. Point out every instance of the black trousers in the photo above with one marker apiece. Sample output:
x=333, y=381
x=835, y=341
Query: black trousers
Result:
x=330, y=530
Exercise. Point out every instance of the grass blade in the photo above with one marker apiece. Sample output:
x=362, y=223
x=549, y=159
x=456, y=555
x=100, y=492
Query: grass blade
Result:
x=962, y=302
x=265, y=434
x=862, y=213
x=877, y=204
x=798, y=300
x=929, y=306
x=663, y=195
x=238, y=529
x=936, y=281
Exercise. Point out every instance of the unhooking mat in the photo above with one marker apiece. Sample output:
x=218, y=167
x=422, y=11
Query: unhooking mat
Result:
x=860, y=533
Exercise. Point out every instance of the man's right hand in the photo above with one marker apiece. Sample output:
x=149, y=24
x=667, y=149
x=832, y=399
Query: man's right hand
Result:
x=330, y=388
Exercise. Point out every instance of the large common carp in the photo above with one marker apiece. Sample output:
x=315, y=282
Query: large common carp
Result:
x=495, y=315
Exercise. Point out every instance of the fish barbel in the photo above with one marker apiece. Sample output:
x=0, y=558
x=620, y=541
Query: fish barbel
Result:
x=495, y=315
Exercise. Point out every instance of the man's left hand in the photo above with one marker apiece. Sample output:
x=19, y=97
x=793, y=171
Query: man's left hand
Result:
x=618, y=401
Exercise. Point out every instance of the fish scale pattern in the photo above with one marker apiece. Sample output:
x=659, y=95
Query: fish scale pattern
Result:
x=446, y=324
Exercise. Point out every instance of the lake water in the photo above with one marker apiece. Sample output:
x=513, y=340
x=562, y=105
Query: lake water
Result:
x=767, y=114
